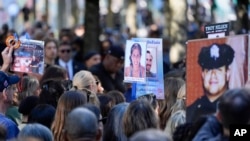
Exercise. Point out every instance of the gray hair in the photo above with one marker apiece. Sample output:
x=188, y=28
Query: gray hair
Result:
x=81, y=123
x=150, y=135
x=36, y=131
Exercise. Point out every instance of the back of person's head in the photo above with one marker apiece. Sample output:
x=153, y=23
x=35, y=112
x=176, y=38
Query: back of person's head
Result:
x=27, y=104
x=187, y=131
x=85, y=81
x=93, y=108
x=140, y=115
x=105, y=104
x=29, y=86
x=113, y=129
x=150, y=135
x=51, y=90
x=117, y=96
x=180, y=101
x=151, y=98
x=82, y=124
x=43, y=114
x=171, y=88
x=67, y=102
x=234, y=107
x=35, y=131
x=54, y=72
x=176, y=119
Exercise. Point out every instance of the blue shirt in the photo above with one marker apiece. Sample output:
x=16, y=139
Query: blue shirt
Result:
x=11, y=127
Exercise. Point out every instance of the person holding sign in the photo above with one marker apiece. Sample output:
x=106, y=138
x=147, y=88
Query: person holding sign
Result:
x=214, y=61
x=135, y=69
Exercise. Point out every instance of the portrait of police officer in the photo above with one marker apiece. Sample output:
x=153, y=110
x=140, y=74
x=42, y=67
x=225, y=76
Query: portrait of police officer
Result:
x=214, y=61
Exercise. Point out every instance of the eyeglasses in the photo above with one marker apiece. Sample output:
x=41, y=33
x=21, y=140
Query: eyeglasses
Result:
x=65, y=50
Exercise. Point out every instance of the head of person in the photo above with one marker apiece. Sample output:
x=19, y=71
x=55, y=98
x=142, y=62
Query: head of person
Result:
x=43, y=114
x=105, y=104
x=214, y=61
x=176, y=119
x=234, y=107
x=65, y=51
x=29, y=86
x=171, y=88
x=35, y=132
x=51, y=90
x=151, y=98
x=49, y=73
x=7, y=87
x=117, y=97
x=91, y=59
x=67, y=102
x=27, y=104
x=114, y=59
x=85, y=81
x=140, y=115
x=150, y=135
x=135, y=55
x=81, y=124
x=113, y=130
x=50, y=48
x=149, y=59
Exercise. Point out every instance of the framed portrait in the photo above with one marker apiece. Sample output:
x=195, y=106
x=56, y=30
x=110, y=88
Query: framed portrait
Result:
x=213, y=66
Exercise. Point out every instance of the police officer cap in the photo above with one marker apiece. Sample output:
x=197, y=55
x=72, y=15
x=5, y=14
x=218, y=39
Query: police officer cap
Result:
x=215, y=56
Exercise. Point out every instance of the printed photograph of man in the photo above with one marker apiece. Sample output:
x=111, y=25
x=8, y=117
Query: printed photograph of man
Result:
x=214, y=61
x=150, y=59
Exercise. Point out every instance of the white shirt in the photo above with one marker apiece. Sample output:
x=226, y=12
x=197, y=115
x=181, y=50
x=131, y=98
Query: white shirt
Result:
x=70, y=67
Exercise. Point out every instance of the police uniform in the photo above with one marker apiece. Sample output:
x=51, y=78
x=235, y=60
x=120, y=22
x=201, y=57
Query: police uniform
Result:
x=211, y=57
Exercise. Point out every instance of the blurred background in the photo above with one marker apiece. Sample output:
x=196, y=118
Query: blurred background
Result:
x=103, y=22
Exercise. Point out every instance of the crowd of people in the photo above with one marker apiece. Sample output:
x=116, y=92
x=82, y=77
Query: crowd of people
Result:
x=83, y=98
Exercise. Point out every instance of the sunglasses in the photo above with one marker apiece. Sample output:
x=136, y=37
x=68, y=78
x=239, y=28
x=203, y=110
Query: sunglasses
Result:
x=65, y=50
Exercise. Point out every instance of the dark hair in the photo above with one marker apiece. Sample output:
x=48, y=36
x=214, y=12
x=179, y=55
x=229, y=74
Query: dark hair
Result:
x=117, y=97
x=234, y=107
x=134, y=46
x=27, y=104
x=51, y=90
x=113, y=129
x=96, y=110
x=105, y=105
x=48, y=40
x=50, y=72
x=43, y=114
x=3, y=133
x=140, y=115
x=151, y=98
x=64, y=43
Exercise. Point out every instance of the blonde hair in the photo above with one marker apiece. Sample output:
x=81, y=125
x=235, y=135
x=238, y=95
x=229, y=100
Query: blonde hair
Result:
x=85, y=81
